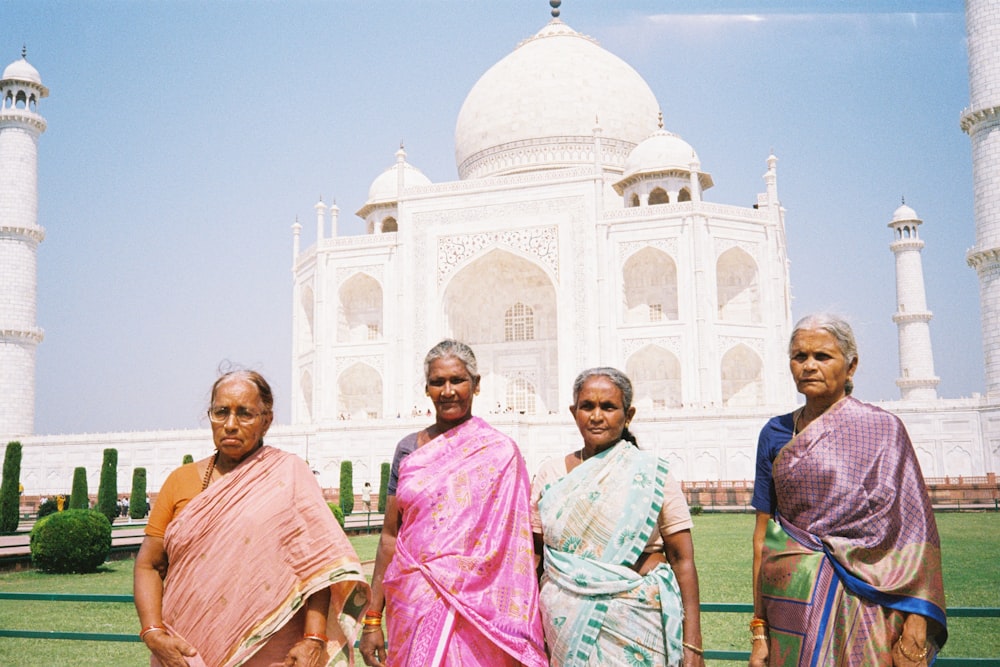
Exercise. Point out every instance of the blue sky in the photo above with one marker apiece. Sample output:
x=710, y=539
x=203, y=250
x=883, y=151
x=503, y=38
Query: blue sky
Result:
x=186, y=137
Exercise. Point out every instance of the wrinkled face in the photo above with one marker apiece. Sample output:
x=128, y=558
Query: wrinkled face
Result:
x=818, y=366
x=240, y=400
x=451, y=388
x=600, y=412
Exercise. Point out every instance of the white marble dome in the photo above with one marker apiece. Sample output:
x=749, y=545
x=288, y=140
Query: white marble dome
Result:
x=904, y=212
x=537, y=108
x=385, y=186
x=661, y=151
x=22, y=70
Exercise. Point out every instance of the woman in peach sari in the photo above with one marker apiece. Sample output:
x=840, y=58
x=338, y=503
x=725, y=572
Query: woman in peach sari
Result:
x=243, y=563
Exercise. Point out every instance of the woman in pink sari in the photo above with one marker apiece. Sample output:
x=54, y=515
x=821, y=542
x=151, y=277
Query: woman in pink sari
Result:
x=454, y=569
x=846, y=561
x=243, y=563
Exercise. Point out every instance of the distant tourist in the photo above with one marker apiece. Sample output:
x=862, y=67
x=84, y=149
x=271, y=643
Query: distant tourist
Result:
x=846, y=556
x=366, y=496
x=243, y=562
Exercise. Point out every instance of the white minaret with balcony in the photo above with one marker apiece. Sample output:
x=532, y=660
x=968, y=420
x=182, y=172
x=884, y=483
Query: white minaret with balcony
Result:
x=982, y=123
x=917, y=381
x=20, y=127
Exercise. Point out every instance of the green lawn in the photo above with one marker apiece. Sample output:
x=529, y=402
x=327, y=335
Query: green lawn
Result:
x=970, y=542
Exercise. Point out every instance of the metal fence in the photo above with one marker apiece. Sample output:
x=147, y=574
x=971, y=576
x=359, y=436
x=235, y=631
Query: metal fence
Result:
x=706, y=608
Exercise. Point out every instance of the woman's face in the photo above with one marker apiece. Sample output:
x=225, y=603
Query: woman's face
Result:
x=451, y=388
x=239, y=398
x=600, y=412
x=818, y=366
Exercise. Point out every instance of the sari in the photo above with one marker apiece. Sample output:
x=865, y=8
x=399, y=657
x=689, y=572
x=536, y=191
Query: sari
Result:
x=854, y=547
x=461, y=587
x=596, y=522
x=246, y=553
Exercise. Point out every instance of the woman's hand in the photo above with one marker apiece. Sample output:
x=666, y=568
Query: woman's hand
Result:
x=911, y=648
x=170, y=650
x=759, y=654
x=372, y=647
x=306, y=653
x=693, y=659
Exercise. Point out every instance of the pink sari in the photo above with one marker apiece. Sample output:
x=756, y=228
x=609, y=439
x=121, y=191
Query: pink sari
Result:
x=244, y=556
x=461, y=588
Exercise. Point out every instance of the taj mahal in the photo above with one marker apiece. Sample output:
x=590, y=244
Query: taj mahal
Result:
x=581, y=231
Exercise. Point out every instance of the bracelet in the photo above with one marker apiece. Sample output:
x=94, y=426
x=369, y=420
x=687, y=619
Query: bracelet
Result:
x=371, y=613
x=372, y=621
x=149, y=628
x=694, y=649
x=754, y=638
x=923, y=653
x=323, y=639
x=757, y=623
x=371, y=629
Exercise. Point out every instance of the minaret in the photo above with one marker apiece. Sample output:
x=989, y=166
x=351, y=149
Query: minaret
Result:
x=917, y=381
x=982, y=123
x=20, y=127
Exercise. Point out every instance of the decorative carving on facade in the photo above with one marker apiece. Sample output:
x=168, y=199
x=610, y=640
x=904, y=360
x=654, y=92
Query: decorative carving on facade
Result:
x=728, y=342
x=667, y=245
x=374, y=270
x=752, y=249
x=540, y=243
x=376, y=361
x=632, y=345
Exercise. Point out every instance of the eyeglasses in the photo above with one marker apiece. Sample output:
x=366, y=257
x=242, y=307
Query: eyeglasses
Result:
x=243, y=416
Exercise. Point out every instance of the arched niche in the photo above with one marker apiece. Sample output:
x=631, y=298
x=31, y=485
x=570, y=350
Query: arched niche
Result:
x=359, y=315
x=359, y=393
x=742, y=377
x=738, y=287
x=389, y=225
x=307, y=301
x=649, y=278
x=306, y=387
x=658, y=196
x=656, y=378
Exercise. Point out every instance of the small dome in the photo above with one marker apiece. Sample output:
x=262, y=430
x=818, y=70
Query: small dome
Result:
x=661, y=151
x=385, y=187
x=21, y=70
x=904, y=212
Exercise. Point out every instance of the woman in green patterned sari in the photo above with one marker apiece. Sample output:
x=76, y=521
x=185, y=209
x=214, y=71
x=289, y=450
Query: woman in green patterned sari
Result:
x=619, y=584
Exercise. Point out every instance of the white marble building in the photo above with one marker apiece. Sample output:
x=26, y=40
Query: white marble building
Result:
x=580, y=232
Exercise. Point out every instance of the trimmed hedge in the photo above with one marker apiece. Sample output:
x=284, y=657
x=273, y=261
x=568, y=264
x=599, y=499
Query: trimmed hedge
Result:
x=137, y=501
x=10, y=488
x=337, y=512
x=347, y=487
x=383, y=486
x=72, y=541
x=107, y=491
x=187, y=459
x=79, y=498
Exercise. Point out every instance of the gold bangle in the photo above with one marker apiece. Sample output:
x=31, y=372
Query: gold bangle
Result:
x=150, y=628
x=754, y=638
x=322, y=639
x=757, y=623
x=370, y=629
x=923, y=653
x=693, y=648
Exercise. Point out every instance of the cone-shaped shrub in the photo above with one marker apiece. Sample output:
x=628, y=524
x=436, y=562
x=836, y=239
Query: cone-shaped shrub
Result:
x=137, y=501
x=383, y=486
x=79, y=498
x=107, y=491
x=347, y=487
x=10, y=488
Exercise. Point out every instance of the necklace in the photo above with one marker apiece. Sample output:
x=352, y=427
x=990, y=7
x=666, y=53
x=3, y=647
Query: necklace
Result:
x=209, y=471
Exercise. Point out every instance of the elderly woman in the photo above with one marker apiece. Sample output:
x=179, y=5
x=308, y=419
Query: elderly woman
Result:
x=619, y=584
x=243, y=563
x=454, y=565
x=846, y=557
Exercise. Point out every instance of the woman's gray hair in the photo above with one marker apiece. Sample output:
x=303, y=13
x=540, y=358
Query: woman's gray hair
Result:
x=452, y=348
x=619, y=379
x=837, y=327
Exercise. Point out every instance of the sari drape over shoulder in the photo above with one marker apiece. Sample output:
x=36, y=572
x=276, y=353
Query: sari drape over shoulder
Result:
x=461, y=587
x=857, y=546
x=246, y=553
x=596, y=521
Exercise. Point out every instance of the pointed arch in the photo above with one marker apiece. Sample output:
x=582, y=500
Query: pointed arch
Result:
x=738, y=287
x=633, y=201
x=658, y=196
x=389, y=225
x=742, y=375
x=649, y=278
x=306, y=387
x=656, y=378
x=359, y=312
x=684, y=195
x=359, y=392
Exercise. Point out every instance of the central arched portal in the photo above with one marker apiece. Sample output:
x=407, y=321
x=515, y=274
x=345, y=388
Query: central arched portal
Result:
x=504, y=306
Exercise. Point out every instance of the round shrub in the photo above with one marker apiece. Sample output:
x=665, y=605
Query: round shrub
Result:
x=71, y=541
x=337, y=512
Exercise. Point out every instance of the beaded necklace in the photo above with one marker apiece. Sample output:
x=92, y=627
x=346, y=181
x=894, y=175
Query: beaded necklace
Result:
x=209, y=471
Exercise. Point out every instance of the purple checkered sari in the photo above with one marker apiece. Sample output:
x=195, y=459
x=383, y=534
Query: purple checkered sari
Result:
x=857, y=546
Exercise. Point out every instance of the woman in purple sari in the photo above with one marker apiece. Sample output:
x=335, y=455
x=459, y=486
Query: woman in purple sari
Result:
x=455, y=568
x=846, y=561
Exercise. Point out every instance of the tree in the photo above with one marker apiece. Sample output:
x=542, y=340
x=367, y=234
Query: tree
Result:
x=107, y=491
x=10, y=488
x=137, y=501
x=79, y=498
x=347, y=487
x=383, y=486
x=187, y=459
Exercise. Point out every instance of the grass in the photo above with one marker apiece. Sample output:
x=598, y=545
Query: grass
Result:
x=970, y=543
